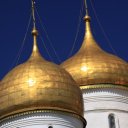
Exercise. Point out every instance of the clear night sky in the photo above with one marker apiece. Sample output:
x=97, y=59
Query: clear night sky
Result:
x=60, y=18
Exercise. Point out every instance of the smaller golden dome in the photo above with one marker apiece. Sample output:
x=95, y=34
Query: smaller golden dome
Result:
x=39, y=85
x=92, y=66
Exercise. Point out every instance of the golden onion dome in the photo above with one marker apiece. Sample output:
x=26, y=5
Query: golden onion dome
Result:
x=92, y=66
x=39, y=85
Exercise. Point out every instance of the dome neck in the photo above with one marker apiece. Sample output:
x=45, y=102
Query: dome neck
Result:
x=88, y=38
x=35, y=51
x=89, y=42
x=88, y=32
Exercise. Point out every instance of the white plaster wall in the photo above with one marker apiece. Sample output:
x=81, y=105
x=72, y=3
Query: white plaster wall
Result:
x=99, y=103
x=100, y=119
x=43, y=120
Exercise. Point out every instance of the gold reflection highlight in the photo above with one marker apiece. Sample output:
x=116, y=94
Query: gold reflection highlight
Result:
x=31, y=82
x=84, y=68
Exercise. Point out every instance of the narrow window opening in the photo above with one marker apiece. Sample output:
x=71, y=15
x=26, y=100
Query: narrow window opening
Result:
x=111, y=119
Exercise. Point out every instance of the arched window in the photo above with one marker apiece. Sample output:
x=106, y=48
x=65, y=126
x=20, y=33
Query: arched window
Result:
x=50, y=127
x=111, y=119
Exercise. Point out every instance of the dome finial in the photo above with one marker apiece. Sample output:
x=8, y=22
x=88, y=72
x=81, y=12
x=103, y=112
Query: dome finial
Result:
x=35, y=52
x=33, y=14
x=34, y=31
x=87, y=17
x=86, y=7
x=88, y=32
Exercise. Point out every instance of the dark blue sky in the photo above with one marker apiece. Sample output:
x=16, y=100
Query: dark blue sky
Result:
x=60, y=18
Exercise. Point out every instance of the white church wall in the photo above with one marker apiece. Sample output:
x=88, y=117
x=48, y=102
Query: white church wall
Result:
x=100, y=103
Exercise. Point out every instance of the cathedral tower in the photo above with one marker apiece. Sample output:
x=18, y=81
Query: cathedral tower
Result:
x=103, y=79
x=40, y=94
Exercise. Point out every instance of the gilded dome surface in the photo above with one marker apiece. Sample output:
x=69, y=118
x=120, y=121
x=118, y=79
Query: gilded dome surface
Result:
x=39, y=85
x=91, y=65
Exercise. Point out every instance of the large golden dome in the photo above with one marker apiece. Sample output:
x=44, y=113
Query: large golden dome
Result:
x=39, y=85
x=93, y=66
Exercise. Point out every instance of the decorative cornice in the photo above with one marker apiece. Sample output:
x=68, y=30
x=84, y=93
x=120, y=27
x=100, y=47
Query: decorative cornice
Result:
x=99, y=86
x=29, y=112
